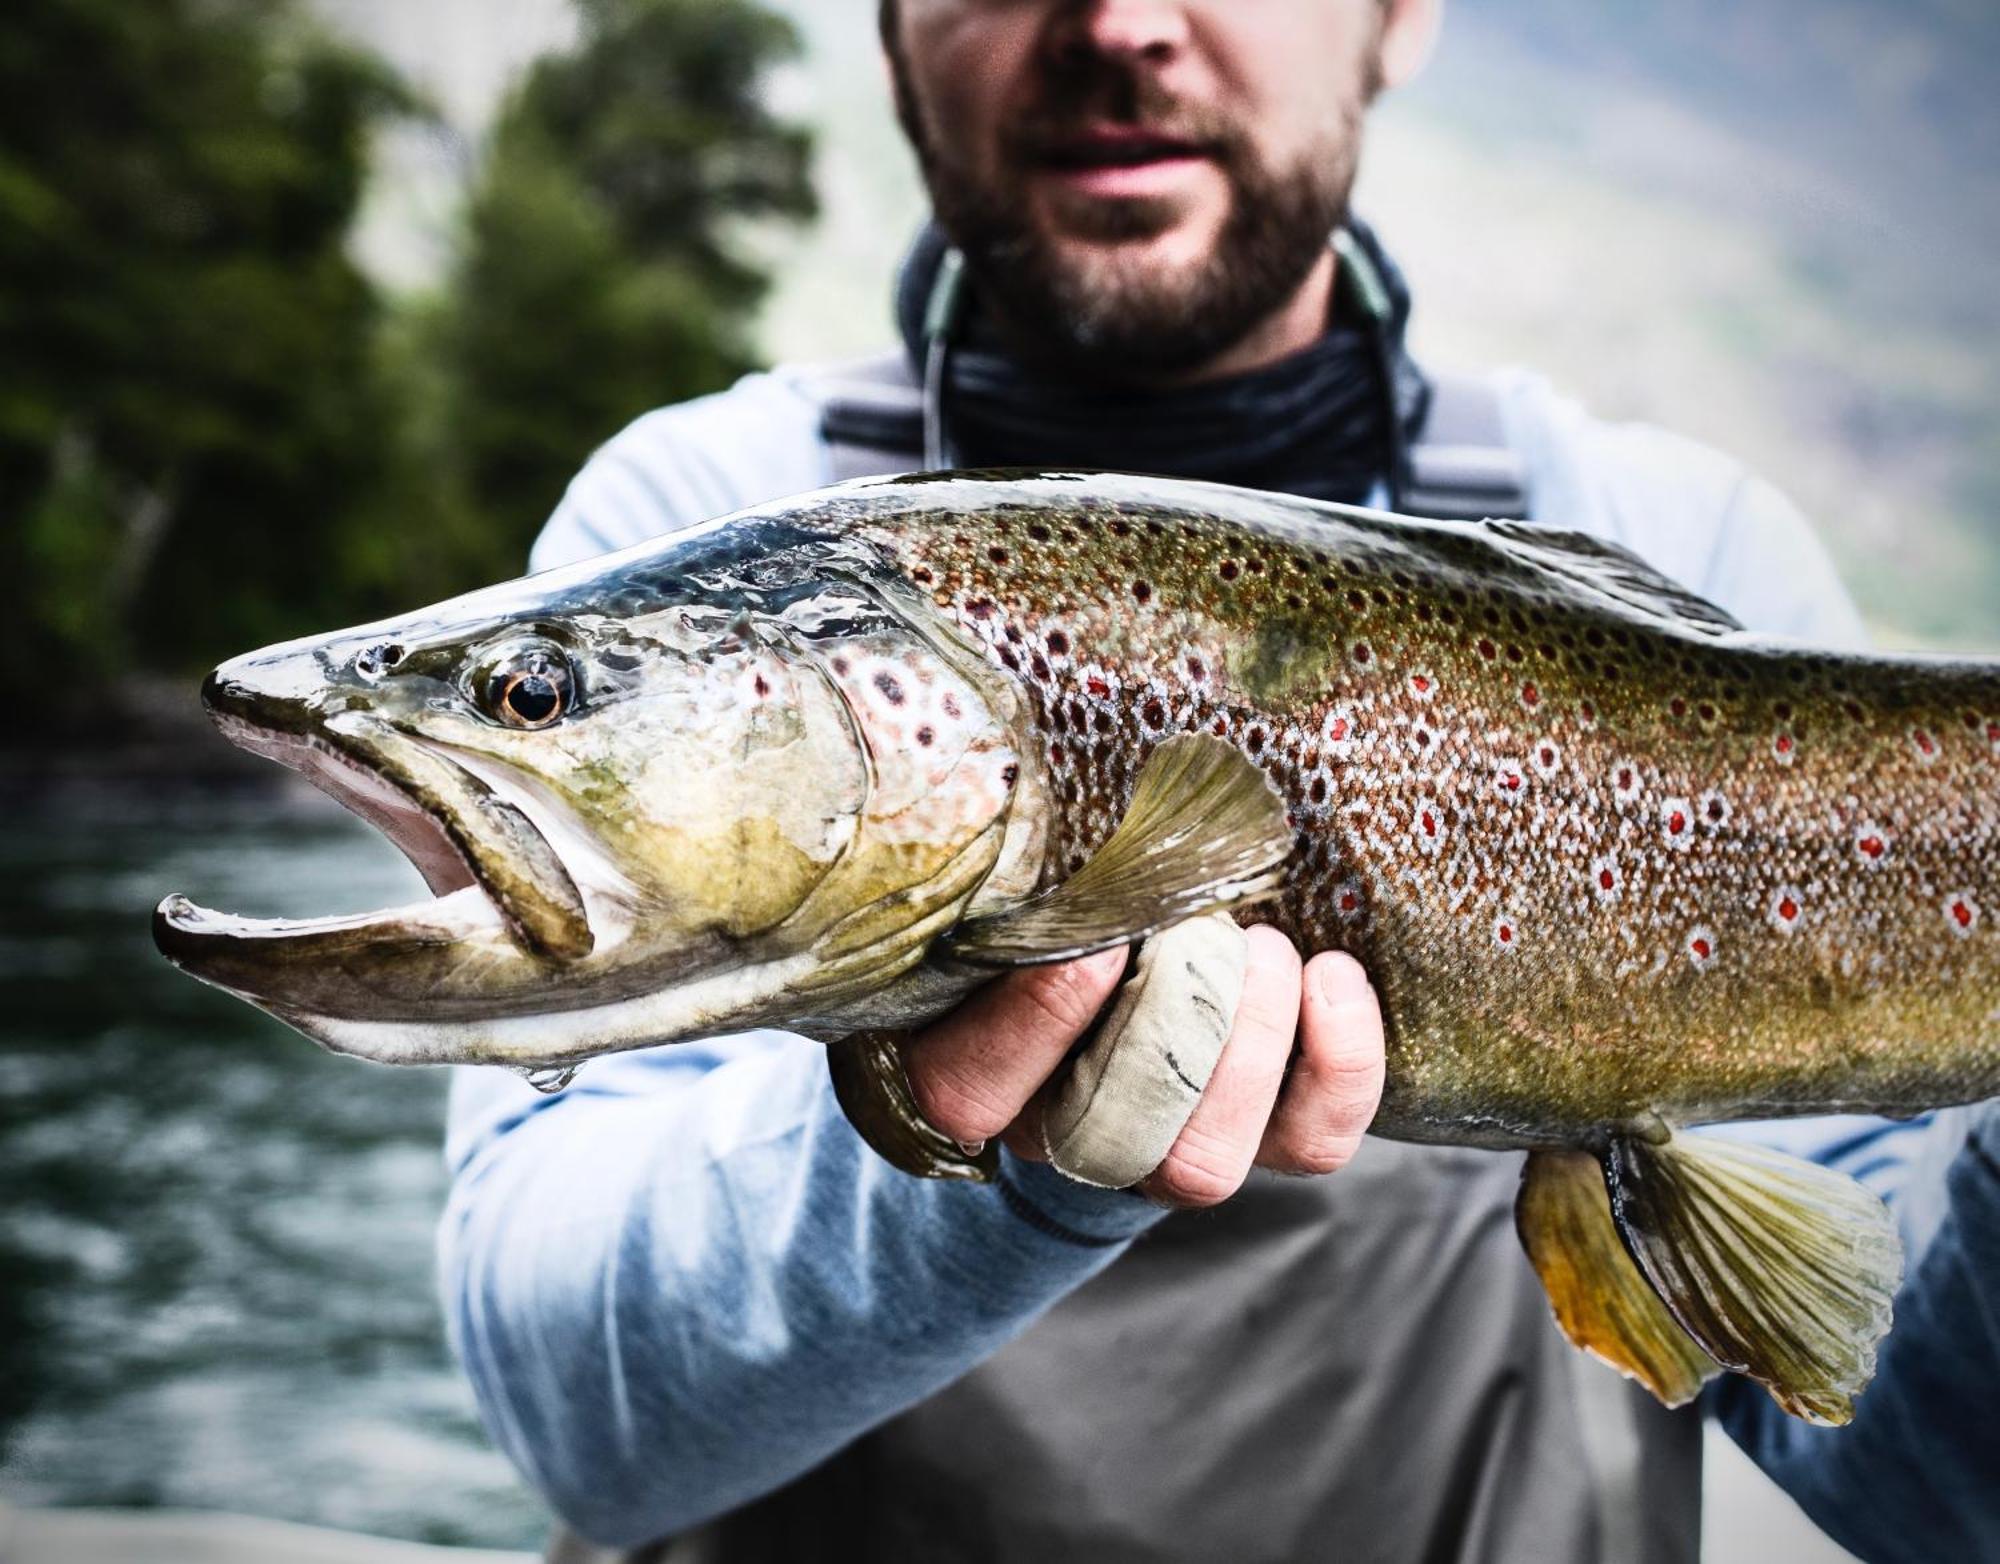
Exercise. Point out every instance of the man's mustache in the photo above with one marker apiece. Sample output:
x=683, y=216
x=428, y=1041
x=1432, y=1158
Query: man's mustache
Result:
x=1136, y=104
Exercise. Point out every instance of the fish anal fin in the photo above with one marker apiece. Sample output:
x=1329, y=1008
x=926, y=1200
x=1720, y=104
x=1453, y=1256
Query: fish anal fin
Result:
x=1205, y=830
x=1782, y=1270
x=1601, y=1301
x=873, y=1090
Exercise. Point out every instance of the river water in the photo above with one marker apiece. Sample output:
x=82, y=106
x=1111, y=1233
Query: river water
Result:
x=216, y=1285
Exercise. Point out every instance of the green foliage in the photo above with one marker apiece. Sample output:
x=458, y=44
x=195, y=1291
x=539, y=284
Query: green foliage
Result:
x=189, y=398
x=597, y=278
x=212, y=432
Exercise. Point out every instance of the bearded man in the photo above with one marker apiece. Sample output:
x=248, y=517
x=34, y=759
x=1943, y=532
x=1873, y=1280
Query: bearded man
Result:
x=696, y=1307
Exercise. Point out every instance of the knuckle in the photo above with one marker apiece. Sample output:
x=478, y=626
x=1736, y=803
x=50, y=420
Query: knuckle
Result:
x=1317, y=1155
x=955, y=1106
x=1198, y=1173
x=1063, y=998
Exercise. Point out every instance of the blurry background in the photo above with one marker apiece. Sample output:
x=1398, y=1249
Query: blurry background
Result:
x=308, y=311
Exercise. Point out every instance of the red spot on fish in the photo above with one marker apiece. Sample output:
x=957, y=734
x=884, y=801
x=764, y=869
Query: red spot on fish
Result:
x=1925, y=745
x=1363, y=653
x=1098, y=687
x=1421, y=736
x=1605, y=879
x=1588, y=713
x=1715, y=809
x=1488, y=650
x=1786, y=907
x=1700, y=948
x=1625, y=783
x=1057, y=755
x=1545, y=758
x=1504, y=933
x=1531, y=696
x=1507, y=781
x=1962, y=912
x=1420, y=685
x=1784, y=748
x=1871, y=844
x=1347, y=901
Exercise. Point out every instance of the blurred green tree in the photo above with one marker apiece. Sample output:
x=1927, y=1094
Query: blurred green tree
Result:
x=599, y=271
x=189, y=403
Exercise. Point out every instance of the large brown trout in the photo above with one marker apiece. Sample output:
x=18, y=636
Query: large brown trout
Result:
x=1615, y=866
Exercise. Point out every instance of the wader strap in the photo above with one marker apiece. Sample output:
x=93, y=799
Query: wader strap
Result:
x=872, y=420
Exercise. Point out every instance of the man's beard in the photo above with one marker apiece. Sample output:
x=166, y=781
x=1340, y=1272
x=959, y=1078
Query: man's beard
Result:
x=1112, y=314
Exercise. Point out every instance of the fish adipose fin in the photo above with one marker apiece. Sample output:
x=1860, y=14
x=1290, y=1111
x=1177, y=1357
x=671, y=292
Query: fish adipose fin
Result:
x=1205, y=830
x=1601, y=1300
x=1779, y=1269
x=873, y=1091
x=1613, y=572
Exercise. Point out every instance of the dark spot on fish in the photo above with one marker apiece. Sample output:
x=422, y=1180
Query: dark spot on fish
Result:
x=1058, y=643
x=1057, y=756
x=1097, y=687
x=1102, y=722
x=1487, y=649
x=890, y=686
x=980, y=608
x=840, y=666
x=1014, y=634
x=1039, y=533
x=1142, y=591
x=1254, y=740
x=1318, y=790
x=1007, y=656
x=762, y=686
x=1227, y=570
x=922, y=576
x=1154, y=713
x=1254, y=565
x=1009, y=774
x=998, y=555
x=1678, y=706
x=1038, y=667
x=949, y=702
x=926, y=737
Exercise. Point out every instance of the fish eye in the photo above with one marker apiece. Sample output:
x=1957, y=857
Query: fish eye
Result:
x=532, y=690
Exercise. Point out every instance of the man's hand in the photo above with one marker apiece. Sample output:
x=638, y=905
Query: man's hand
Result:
x=980, y=1073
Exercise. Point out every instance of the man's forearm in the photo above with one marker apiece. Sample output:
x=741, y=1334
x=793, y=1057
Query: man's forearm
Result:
x=687, y=1281
x=1916, y=1476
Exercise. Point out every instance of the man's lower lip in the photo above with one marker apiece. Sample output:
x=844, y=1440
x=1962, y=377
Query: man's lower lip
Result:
x=1156, y=176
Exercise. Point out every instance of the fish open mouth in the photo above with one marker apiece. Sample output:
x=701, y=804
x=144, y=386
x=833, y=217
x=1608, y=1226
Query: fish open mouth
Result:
x=501, y=892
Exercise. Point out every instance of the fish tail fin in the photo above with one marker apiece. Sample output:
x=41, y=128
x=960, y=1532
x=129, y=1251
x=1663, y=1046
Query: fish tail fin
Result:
x=1601, y=1299
x=1768, y=1265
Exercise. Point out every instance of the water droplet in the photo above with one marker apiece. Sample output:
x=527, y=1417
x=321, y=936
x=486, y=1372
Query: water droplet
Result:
x=550, y=1079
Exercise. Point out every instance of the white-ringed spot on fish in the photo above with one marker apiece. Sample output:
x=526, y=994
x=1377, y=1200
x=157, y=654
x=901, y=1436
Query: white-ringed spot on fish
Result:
x=1925, y=744
x=1625, y=782
x=1510, y=780
x=1785, y=909
x=1423, y=739
x=1961, y=913
x=1427, y=826
x=1545, y=757
x=1422, y=686
x=1506, y=934
x=1677, y=821
x=1363, y=654
x=1531, y=696
x=1871, y=843
x=1338, y=731
x=1586, y=715
x=1701, y=947
x=1605, y=880
x=1347, y=903
x=1784, y=748
x=1712, y=811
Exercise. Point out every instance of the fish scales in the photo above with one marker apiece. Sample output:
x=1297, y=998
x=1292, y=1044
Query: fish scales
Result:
x=1598, y=869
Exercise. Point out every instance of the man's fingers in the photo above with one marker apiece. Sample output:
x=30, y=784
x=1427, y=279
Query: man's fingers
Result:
x=1335, y=1083
x=973, y=1071
x=1214, y=1151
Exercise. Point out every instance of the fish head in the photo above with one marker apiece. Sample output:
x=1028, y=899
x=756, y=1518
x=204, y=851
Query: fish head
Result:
x=643, y=814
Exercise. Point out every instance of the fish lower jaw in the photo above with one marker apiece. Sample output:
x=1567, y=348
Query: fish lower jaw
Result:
x=731, y=999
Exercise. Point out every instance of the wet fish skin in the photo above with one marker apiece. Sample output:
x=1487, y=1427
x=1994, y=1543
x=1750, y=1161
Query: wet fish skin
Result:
x=1614, y=866
x=1608, y=862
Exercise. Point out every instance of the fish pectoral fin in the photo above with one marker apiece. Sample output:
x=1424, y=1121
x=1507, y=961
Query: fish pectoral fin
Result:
x=873, y=1090
x=1205, y=831
x=1781, y=1270
x=1601, y=1300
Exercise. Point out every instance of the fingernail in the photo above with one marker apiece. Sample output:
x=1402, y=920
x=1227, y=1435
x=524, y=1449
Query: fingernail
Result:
x=1339, y=979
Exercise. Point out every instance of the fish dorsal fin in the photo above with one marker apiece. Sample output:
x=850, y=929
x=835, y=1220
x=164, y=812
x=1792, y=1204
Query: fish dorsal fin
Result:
x=1781, y=1270
x=1613, y=571
x=1601, y=1300
x=1205, y=830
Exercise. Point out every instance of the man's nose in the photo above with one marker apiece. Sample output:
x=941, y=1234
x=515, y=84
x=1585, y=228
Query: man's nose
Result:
x=1150, y=30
